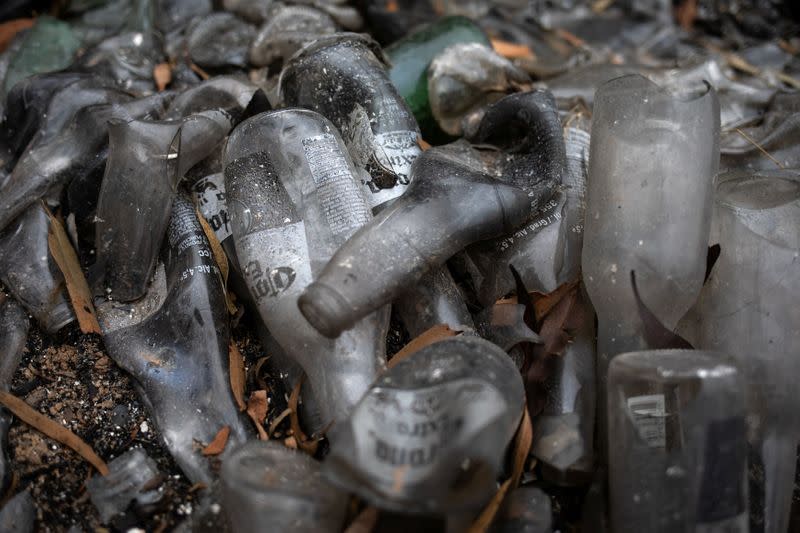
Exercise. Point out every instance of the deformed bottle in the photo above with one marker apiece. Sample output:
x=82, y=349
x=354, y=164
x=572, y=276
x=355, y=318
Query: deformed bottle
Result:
x=146, y=161
x=343, y=77
x=74, y=151
x=748, y=308
x=294, y=198
x=267, y=486
x=677, y=442
x=447, y=206
x=430, y=436
x=174, y=342
x=527, y=128
x=30, y=273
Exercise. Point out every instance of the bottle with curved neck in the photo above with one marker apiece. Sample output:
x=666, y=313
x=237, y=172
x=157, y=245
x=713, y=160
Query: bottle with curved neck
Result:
x=748, y=308
x=293, y=199
x=174, y=342
x=447, y=206
x=653, y=156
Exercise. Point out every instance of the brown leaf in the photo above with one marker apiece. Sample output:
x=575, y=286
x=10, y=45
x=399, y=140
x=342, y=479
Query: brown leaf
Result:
x=656, y=334
x=67, y=260
x=257, y=411
x=10, y=29
x=685, y=13
x=162, y=75
x=280, y=418
x=544, y=303
x=437, y=333
x=52, y=429
x=307, y=445
x=511, y=50
x=236, y=370
x=392, y=6
x=522, y=446
x=217, y=446
x=219, y=257
x=555, y=326
x=365, y=522
x=200, y=72
x=423, y=144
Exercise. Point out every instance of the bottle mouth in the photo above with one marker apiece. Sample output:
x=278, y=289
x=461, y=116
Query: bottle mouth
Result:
x=325, y=309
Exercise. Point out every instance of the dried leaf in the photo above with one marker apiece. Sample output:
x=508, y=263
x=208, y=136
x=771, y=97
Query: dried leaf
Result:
x=437, y=333
x=52, y=429
x=686, y=13
x=544, y=303
x=200, y=72
x=162, y=75
x=598, y=6
x=365, y=522
x=217, y=446
x=571, y=38
x=512, y=50
x=237, y=375
x=556, y=325
x=392, y=6
x=257, y=411
x=219, y=257
x=656, y=334
x=10, y=29
x=307, y=445
x=67, y=260
x=423, y=144
x=522, y=446
x=280, y=418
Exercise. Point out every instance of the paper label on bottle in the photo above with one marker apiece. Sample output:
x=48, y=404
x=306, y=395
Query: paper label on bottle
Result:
x=404, y=434
x=399, y=150
x=648, y=415
x=276, y=263
x=339, y=194
x=209, y=195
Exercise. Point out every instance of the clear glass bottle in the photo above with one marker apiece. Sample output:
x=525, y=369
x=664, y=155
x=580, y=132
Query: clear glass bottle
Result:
x=294, y=199
x=749, y=308
x=677, y=442
x=269, y=487
x=653, y=156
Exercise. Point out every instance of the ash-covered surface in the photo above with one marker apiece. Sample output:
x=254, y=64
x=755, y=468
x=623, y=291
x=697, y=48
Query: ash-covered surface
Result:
x=71, y=379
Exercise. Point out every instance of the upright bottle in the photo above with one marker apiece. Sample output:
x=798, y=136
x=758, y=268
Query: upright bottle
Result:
x=748, y=308
x=677, y=442
x=653, y=156
x=294, y=198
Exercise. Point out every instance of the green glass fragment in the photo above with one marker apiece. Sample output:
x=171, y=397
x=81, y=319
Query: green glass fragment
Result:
x=49, y=45
x=410, y=57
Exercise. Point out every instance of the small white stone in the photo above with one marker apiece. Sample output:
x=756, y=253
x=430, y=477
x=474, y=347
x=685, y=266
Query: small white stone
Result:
x=143, y=427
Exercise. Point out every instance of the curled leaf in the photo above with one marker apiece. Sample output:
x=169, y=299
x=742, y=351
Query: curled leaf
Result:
x=217, y=445
x=237, y=375
x=307, y=445
x=435, y=334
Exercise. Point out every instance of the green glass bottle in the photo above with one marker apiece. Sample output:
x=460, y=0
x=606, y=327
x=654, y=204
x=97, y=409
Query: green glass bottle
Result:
x=410, y=57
